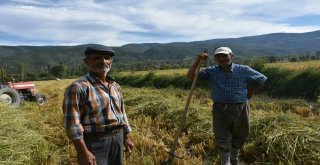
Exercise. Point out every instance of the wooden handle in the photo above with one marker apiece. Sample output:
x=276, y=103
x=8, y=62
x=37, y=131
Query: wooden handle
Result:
x=183, y=117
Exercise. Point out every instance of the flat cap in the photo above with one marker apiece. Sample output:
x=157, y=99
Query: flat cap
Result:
x=99, y=49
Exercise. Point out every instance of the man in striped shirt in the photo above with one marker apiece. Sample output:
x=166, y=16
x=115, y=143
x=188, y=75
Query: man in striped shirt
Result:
x=94, y=115
x=230, y=93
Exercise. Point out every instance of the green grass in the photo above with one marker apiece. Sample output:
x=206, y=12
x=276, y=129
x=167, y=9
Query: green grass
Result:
x=291, y=66
x=165, y=72
x=296, y=66
x=282, y=81
x=22, y=141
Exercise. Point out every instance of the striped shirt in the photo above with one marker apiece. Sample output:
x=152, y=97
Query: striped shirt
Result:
x=91, y=106
x=230, y=87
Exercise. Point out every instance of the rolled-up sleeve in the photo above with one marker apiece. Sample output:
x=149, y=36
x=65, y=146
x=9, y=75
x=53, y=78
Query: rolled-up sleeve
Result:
x=205, y=73
x=72, y=104
x=126, y=128
x=256, y=76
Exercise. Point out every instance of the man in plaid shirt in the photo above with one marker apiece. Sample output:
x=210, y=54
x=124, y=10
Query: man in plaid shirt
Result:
x=94, y=115
x=230, y=93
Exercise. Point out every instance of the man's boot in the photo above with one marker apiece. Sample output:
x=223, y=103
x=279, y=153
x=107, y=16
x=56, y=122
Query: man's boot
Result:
x=234, y=160
x=225, y=158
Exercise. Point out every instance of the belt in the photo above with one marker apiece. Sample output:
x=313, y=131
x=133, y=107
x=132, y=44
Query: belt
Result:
x=226, y=105
x=220, y=103
x=109, y=133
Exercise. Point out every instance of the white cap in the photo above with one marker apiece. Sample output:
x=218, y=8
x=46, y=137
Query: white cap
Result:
x=222, y=50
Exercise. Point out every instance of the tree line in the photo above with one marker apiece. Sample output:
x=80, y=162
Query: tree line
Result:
x=281, y=83
x=62, y=70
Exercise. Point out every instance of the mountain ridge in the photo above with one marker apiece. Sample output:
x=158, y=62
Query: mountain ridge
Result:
x=273, y=44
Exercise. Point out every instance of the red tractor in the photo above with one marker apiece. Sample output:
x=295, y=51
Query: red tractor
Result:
x=13, y=93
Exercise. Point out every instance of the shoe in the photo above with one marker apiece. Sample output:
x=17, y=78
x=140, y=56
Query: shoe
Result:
x=237, y=162
x=234, y=162
x=225, y=158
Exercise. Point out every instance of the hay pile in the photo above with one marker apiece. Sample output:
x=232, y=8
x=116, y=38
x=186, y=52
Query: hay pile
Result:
x=279, y=135
x=283, y=139
x=20, y=143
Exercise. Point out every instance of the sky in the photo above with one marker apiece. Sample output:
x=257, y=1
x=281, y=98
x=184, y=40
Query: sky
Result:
x=120, y=22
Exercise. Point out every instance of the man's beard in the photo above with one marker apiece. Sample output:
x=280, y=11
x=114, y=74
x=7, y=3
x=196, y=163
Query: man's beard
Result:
x=99, y=68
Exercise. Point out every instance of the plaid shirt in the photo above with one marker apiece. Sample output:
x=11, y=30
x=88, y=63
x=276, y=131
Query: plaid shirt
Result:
x=230, y=87
x=90, y=106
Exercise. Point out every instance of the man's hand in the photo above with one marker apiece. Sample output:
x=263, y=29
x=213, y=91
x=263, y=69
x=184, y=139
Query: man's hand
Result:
x=250, y=94
x=203, y=56
x=192, y=69
x=86, y=158
x=252, y=90
x=128, y=144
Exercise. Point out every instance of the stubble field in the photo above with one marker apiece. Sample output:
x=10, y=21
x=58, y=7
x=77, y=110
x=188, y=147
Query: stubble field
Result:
x=282, y=131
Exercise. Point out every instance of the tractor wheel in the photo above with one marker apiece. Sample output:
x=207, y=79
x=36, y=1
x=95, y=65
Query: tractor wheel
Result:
x=10, y=96
x=41, y=99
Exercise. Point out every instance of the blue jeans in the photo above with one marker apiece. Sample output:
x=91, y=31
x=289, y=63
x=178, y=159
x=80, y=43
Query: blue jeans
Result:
x=108, y=149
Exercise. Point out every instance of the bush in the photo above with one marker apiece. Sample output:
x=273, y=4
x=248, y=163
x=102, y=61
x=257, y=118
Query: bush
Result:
x=285, y=83
x=280, y=83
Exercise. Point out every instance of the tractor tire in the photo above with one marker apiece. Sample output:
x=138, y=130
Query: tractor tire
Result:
x=10, y=96
x=41, y=99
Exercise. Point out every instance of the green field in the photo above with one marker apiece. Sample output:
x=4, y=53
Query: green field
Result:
x=285, y=80
x=292, y=66
x=282, y=131
x=295, y=66
x=166, y=72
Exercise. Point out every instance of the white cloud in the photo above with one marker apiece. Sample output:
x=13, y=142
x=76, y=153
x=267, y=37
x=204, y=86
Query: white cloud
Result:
x=117, y=22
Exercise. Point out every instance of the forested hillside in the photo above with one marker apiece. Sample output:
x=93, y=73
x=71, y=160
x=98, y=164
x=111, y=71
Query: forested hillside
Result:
x=40, y=59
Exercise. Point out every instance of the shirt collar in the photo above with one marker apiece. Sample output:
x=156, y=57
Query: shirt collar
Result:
x=231, y=68
x=93, y=78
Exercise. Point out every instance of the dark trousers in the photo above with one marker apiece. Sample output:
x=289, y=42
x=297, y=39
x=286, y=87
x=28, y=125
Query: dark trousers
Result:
x=231, y=125
x=108, y=148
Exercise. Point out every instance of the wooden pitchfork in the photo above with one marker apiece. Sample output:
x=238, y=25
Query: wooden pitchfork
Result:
x=172, y=151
